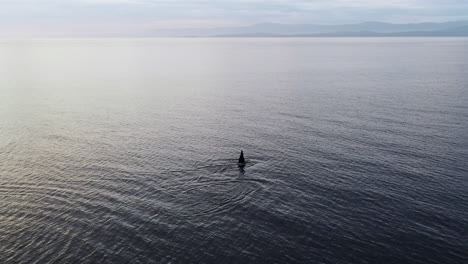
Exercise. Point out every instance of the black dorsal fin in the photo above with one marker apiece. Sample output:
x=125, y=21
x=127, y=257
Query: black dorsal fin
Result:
x=241, y=158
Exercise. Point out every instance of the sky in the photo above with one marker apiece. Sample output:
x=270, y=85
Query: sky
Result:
x=113, y=17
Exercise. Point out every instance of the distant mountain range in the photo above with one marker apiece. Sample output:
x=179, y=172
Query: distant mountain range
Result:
x=366, y=29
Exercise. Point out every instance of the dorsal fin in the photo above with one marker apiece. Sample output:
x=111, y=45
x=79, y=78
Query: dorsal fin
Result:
x=241, y=158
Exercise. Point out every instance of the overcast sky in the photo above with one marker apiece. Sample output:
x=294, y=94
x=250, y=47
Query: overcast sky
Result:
x=110, y=17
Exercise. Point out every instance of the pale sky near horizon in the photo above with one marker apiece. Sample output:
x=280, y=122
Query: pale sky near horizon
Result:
x=111, y=17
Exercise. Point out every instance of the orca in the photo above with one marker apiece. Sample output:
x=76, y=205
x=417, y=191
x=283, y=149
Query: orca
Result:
x=241, y=161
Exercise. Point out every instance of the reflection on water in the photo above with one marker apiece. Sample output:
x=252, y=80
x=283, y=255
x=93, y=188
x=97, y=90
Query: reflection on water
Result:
x=125, y=151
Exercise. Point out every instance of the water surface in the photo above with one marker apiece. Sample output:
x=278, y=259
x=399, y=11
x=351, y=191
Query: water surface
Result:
x=123, y=150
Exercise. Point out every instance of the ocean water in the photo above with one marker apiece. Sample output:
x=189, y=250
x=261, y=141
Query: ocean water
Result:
x=124, y=150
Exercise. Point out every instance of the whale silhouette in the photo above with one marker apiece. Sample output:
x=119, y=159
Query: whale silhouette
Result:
x=241, y=161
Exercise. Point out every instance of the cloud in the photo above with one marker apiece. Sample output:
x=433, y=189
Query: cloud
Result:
x=108, y=16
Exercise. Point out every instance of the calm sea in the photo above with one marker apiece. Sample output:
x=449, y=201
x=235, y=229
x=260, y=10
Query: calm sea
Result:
x=124, y=150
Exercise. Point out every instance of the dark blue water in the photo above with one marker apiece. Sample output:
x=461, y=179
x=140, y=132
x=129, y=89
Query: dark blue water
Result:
x=124, y=151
